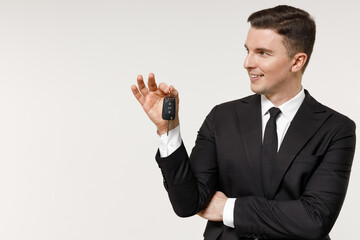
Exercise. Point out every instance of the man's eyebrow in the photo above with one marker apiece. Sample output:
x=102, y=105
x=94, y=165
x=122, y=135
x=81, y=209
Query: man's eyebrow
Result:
x=263, y=50
x=260, y=49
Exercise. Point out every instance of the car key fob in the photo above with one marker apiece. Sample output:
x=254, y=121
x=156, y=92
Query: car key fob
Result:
x=168, y=112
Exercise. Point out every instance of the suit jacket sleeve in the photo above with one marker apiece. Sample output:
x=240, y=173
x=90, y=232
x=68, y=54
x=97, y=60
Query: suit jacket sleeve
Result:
x=191, y=186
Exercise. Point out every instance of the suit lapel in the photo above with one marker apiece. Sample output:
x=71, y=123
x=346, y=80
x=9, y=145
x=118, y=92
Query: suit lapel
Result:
x=250, y=124
x=309, y=118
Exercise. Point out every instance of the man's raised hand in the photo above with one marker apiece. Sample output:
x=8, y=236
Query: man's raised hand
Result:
x=151, y=99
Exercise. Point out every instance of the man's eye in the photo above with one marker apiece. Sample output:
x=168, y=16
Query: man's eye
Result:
x=264, y=53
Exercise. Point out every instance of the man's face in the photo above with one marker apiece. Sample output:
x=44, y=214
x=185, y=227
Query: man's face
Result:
x=268, y=63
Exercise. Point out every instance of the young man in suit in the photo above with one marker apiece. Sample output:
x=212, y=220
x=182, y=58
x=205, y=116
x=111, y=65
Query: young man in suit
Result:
x=273, y=165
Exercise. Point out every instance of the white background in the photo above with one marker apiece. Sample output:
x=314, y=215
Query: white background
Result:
x=77, y=151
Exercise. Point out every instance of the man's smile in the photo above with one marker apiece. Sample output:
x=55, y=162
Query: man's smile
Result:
x=254, y=77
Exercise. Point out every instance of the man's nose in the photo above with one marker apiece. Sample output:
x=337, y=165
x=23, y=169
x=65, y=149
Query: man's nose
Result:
x=249, y=61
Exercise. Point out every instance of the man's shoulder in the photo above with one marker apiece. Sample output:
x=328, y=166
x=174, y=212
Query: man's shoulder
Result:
x=339, y=118
x=335, y=115
x=232, y=109
x=254, y=98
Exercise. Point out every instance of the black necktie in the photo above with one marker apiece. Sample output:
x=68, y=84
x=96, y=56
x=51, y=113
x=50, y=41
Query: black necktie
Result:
x=269, y=148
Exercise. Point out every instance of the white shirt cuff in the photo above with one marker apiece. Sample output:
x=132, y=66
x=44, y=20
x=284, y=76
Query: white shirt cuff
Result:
x=169, y=143
x=228, y=214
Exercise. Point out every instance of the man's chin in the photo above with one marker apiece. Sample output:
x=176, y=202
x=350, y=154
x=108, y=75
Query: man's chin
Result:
x=256, y=90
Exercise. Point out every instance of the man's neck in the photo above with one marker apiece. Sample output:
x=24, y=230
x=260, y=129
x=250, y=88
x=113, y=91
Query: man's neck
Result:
x=284, y=96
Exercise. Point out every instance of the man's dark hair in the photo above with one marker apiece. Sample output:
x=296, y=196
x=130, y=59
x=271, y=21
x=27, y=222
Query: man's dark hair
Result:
x=295, y=25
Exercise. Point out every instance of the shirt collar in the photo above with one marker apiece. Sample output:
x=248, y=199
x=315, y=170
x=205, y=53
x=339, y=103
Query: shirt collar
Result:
x=288, y=109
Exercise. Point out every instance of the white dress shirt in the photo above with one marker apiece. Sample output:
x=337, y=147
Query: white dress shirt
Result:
x=168, y=144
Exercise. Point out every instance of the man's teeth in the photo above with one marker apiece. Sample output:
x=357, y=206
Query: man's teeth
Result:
x=254, y=76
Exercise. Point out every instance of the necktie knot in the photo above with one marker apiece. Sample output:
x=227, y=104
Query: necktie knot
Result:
x=274, y=112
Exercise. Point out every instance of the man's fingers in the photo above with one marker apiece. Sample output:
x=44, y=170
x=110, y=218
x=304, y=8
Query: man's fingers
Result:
x=137, y=94
x=173, y=91
x=219, y=193
x=164, y=88
x=143, y=89
x=151, y=82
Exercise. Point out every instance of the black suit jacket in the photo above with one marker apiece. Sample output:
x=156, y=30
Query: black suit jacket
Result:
x=310, y=174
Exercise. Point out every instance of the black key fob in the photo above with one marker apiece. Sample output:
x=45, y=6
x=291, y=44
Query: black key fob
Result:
x=168, y=112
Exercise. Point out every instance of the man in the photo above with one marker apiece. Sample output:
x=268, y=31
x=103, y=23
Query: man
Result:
x=273, y=165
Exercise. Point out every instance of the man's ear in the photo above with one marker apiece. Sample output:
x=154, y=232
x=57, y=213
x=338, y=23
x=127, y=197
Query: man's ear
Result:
x=299, y=61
